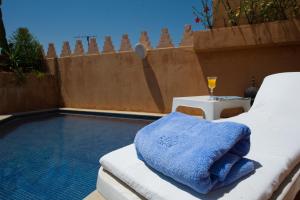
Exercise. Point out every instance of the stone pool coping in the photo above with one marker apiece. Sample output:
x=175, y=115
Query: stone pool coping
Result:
x=95, y=195
x=4, y=117
x=107, y=113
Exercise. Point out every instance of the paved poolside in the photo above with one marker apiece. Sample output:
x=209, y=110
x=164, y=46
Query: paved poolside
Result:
x=94, y=196
x=3, y=117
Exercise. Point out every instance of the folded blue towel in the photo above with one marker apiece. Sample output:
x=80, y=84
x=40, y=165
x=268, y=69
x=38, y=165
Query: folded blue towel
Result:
x=201, y=154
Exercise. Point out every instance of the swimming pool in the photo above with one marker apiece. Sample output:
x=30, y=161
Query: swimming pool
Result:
x=56, y=156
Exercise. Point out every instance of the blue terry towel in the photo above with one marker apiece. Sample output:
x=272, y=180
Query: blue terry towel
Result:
x=201, y=154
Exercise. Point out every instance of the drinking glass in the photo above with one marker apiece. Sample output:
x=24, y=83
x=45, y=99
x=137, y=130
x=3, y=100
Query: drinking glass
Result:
x=212, y=83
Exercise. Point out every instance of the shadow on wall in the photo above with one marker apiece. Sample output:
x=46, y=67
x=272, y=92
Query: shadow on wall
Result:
x=234, y=68
x=58, y=79
x=53, y=68
x=153, y=85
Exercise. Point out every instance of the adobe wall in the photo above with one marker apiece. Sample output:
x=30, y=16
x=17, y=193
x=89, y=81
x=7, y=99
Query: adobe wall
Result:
x=119, y=80
x=116, y=79
x=235, y=68
x=125, y=82
x=34, y=94
x=234, y=54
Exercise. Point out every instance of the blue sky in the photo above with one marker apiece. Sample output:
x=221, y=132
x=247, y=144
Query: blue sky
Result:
x=60, y=20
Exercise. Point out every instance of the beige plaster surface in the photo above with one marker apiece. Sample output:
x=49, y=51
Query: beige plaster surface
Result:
x=246, y=36
x=34, y=94
x=121, y=81
x=124, y=82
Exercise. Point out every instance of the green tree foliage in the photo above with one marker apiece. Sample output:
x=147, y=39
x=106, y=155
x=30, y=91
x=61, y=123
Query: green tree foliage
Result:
x=25, y=52
x=3, y=41
x=259, y=11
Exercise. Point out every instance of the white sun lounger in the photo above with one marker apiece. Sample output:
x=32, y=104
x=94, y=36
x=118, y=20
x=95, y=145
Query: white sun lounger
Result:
x=275, y=123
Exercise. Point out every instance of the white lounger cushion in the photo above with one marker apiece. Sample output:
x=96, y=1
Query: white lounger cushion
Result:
x=279, y=94
x=275, y=143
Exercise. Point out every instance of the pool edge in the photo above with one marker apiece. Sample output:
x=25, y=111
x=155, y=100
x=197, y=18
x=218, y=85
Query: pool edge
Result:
x=105, y=113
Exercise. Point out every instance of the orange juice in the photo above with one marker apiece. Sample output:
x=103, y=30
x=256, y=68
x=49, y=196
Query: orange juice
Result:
x=212, y=83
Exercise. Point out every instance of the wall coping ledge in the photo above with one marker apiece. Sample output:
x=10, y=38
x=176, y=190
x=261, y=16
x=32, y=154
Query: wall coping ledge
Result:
x=246, y=36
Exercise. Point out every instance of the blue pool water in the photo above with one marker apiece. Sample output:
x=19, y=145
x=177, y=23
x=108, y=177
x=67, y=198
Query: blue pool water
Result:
x=57, y=157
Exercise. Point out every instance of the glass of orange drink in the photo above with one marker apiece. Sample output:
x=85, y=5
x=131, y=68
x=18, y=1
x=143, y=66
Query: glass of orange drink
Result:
x=212, y=83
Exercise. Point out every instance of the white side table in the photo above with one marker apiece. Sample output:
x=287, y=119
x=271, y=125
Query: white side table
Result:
x=211, y=108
